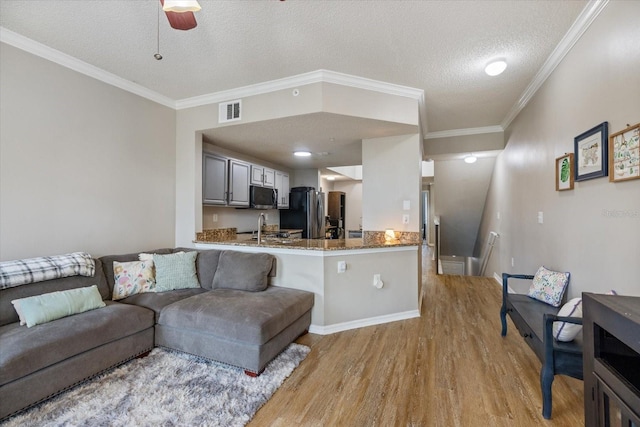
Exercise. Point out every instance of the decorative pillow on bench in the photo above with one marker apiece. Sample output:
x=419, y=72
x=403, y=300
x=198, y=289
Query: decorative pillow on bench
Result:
x=44, y=308
x=549, y=286
x=565, y=331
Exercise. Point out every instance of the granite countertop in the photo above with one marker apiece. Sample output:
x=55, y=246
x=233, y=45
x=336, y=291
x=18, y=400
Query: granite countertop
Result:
x=306, y=244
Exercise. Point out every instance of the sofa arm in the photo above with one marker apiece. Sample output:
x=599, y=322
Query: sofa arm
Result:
x=505, y=294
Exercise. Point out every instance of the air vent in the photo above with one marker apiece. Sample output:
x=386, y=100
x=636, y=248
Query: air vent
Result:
x=229, y=111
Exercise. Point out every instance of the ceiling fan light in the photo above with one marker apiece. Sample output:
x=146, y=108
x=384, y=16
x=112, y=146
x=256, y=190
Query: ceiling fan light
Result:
x=181, y=6
x=496, y=67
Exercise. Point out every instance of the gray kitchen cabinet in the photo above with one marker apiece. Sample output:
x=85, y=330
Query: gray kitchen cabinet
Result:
x=238, y=183
x=282, y=185
x=225, y=181
x=214, y=182
x=263, y=177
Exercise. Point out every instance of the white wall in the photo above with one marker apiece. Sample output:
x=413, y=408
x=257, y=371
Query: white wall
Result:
x=391, y=173
x=597, y=81
x=84, y=166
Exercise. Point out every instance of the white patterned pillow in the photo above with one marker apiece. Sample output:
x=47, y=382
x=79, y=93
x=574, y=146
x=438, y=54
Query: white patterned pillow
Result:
x=548, y=286
x=133, y=278
x=564, y=331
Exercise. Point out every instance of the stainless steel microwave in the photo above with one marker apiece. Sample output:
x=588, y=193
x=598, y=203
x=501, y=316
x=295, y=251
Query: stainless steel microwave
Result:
x=263, y=198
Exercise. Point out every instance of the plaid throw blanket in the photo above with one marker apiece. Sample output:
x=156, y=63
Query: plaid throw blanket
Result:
x=24, y=271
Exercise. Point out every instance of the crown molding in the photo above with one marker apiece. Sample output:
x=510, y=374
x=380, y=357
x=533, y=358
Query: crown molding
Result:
x=463, y=132
x=318, y=76
x=21, y=42
x=584, y=20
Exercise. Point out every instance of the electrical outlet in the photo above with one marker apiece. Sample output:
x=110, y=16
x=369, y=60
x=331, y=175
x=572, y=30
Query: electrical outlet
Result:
x=498, y=215
x=405, y=219
x=540, y=217
x=513, y=262
x=215, y=217
x=266, y=217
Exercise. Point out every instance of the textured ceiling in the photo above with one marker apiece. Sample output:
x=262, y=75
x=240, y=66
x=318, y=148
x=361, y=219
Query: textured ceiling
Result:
x=440, y=47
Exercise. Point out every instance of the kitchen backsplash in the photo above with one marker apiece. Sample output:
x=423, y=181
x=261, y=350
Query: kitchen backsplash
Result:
x=241, y=219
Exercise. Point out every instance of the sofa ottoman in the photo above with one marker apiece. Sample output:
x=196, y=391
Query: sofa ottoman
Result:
x=237, y=327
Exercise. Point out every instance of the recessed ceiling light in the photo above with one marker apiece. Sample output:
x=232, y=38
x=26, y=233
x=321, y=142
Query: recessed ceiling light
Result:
x=301, y=153
x=470, y=159
x=496, y=67
x=331, y=178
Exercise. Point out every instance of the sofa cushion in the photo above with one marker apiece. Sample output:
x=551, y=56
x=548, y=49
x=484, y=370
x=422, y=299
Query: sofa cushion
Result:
x=9, y=315
x=206, y=265
x=44, y=308
x=176, y=271
x=243, y=271
x=251, y=317
x=133, y=277
x=26, y=350
x=157, y=301
x=107, y=263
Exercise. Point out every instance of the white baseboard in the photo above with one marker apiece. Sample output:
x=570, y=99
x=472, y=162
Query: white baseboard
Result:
x=497, y=278
x=361, y=323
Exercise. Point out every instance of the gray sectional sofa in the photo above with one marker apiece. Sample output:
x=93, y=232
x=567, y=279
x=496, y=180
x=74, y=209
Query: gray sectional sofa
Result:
x=228, y=318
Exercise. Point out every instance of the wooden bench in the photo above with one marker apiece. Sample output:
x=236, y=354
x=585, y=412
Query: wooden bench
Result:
x=534, y=320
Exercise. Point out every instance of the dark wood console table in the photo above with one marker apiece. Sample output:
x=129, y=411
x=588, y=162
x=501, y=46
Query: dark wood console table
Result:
x=611, y=360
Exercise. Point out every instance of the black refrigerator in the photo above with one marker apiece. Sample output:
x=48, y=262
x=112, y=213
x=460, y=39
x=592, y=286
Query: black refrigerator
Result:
x=306, y=213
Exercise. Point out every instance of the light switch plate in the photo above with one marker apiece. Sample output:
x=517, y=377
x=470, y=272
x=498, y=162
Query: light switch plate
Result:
x=406, y=205
x=342, y=266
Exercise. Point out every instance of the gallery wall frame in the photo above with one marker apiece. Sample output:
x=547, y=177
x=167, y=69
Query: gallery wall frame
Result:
x=624, y=154
x=590, y=151
x=564, y=172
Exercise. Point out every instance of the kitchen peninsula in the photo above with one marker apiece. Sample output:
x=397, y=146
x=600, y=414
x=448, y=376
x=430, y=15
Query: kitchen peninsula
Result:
x=356, y=282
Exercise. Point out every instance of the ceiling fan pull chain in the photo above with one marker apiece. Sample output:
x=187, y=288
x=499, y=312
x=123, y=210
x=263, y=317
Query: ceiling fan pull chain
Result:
x=157, y=54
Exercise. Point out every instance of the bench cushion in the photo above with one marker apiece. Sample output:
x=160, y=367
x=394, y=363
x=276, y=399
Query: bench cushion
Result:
x=252, y=317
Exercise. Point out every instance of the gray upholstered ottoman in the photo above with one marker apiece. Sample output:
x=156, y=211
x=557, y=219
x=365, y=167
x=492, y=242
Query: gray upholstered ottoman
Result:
x=241, y=321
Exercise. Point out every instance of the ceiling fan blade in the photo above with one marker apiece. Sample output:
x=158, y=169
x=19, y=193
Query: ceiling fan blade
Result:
x=181, y=21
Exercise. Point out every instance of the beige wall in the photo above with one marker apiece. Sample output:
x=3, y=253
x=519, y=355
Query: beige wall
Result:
x=592, y=231
x=84, y=166
x=391, y=173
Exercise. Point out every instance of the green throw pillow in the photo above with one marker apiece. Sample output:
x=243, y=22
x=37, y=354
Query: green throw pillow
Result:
x=176, y=271
x=56, y=305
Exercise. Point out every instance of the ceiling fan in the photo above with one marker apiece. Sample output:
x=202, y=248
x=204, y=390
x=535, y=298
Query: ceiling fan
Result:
x=180, y=13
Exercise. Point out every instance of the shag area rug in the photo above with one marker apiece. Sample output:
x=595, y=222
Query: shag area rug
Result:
x=166, y=388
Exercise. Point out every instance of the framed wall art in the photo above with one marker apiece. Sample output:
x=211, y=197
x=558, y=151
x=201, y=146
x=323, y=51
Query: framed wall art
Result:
x=624, y=154
x=590, y=150
x=564, y=172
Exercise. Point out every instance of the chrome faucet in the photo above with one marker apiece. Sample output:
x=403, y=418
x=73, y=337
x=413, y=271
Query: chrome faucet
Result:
x=261, y=221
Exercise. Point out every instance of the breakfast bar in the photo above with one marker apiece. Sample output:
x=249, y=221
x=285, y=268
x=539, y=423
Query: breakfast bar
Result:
x=356, y=282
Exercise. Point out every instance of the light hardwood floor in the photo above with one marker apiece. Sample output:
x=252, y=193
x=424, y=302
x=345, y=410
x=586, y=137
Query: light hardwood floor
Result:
x=450, y=367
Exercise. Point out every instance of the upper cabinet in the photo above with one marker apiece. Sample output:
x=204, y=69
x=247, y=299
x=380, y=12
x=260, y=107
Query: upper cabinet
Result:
x=225, y=181
x=214, y=179
x=263, y=177
x=282, y=185
x=238, y=183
